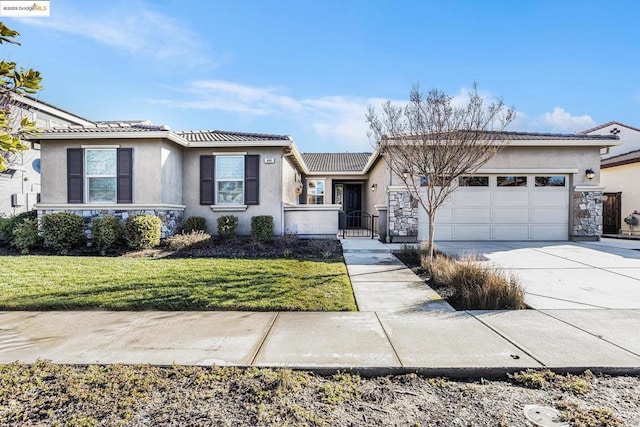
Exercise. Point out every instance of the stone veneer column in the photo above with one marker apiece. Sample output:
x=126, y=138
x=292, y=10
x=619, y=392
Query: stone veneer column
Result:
x=587, y=213
x=403, y=216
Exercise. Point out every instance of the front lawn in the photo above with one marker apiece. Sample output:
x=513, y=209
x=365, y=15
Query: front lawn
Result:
x=79, y=283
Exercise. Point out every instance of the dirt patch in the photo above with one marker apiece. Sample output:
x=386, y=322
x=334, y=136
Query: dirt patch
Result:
x=48, y=394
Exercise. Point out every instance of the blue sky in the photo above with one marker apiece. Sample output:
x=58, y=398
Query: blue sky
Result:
x=310, y=68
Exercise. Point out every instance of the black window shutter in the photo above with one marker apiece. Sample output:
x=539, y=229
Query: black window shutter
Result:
x=125, y=178
x=252, y=179
x=75, y=188
x=207, y=180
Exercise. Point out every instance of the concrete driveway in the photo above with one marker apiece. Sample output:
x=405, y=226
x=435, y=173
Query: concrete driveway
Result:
x=566, y=275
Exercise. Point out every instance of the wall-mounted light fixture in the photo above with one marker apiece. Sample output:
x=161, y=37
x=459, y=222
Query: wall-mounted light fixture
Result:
x=405, y=175
x=374, y=187
x=590, y=174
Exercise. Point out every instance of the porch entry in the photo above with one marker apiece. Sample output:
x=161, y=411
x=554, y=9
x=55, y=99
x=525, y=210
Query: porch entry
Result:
x=611, y=213
x=354, y=222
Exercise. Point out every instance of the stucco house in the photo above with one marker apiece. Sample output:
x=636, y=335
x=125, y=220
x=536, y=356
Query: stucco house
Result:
x=539, y=187
x=20, y=182
x=620, y=171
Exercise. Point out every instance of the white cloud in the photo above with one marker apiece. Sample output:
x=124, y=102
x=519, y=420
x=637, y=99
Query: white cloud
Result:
x=338, y=119
x=133, y=27
x=562, y=121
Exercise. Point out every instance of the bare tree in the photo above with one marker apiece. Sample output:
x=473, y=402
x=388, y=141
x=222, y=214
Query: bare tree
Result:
x=433, y=140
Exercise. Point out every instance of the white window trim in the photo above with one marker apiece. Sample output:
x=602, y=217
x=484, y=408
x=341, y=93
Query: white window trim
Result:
x=86, y=176
x=216, y=180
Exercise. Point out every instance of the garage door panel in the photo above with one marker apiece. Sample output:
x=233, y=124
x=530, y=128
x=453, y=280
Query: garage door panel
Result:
x=443, y=232
x=469, y=197
x=549, y=197
x=549, y=232
x=511, y=197
x=443, y=215
x=472, y=215
x=472, y=232
x=510, y=232
x=511, y=215
x=550, y=215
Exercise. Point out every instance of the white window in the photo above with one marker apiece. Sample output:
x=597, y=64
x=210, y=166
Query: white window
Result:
x=101, y=168
x=315, y=191
x=229, y=180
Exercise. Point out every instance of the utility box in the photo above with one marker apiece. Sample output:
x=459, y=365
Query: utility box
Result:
x=17, y=200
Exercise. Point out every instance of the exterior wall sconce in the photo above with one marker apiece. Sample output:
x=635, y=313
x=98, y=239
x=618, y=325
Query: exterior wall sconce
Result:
x=589, y=173
x=405, y=175
x=374, y=187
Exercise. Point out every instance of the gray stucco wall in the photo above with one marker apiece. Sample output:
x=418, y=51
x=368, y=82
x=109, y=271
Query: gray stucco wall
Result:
x=291, y=180
x=271, y=198
x=147, y=170
x=171, y=164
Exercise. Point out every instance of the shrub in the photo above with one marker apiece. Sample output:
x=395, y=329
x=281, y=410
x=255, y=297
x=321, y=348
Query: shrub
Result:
x=481, y=288
x=194, y=223
x=26, y=235
x=187, y=240
x=262, y=227
x=106, y=232
x=442, y=269
x=7, y=225
x=142, y=231
x=62, y=231
x=227, y=225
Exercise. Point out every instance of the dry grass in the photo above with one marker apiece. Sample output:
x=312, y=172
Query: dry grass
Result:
x=476, y=287
x=191, y=239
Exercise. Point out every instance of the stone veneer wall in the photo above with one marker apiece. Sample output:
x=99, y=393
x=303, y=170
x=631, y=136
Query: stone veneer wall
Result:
x=587, y=214
x=403, y=214
x=171, y=218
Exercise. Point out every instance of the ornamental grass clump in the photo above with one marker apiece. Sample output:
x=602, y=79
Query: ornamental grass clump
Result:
x=189, y=240
x=481, y=288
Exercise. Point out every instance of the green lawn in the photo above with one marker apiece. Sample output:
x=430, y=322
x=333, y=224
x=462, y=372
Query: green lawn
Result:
x=77, y=283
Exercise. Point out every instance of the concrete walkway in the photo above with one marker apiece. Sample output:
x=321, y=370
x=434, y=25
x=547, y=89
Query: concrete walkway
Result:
x=393, y=334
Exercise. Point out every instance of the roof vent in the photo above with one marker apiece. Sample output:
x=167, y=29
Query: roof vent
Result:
x=614, y=131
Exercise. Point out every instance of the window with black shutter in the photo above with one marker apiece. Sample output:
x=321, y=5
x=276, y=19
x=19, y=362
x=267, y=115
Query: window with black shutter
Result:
x=100, y=175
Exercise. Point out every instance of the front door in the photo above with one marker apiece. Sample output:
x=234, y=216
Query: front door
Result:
x=611, y=213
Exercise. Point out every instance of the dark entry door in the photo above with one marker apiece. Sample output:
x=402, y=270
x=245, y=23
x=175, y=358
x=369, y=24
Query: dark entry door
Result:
x=611, y=213
x=353, y=203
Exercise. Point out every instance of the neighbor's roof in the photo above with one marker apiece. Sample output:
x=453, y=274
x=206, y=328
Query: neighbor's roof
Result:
x=336, y=162
x=221, y=135
x=622, y=159
x=539, y=136
x=608, y=124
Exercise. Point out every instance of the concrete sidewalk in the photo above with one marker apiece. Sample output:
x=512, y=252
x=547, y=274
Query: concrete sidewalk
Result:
x=414, y=332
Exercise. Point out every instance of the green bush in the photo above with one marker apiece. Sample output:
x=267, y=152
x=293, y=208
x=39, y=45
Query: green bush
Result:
x=62, y=231
x=106, y=232
x=194, y=223
x=262, y=227
x=227, y=225
x=7, y=225
x=143, y=231
x=26, y=235
x=187, y=240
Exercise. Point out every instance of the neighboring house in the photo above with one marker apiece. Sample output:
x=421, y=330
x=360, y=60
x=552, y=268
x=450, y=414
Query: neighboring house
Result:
x=20, y=182
x=620, y=173
x=536, y=188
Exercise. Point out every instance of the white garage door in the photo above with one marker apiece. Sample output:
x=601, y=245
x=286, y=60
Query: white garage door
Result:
x=504, y=207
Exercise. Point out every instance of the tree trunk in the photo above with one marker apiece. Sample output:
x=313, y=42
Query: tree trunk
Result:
x=432, y=221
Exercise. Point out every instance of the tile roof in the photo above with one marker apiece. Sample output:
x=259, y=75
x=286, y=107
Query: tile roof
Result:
x=529, y=136
x=622, y=159
x=107, y=127
x=608, y=124
x=220, y=135
x=336, y=162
